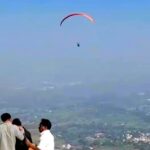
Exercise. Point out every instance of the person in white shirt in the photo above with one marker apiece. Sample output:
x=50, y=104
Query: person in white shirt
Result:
x=9, y=132
x=46, y=139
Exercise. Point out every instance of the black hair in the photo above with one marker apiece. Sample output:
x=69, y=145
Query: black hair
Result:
x=16, y=121
x=46, y=123
x=5, y=116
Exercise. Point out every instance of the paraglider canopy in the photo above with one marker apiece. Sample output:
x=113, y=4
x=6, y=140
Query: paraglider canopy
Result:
x=91, y=19
x=85, y=15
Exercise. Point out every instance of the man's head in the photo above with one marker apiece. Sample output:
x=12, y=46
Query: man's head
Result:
x=16, y=121
x=45, y=124
x=6, y=117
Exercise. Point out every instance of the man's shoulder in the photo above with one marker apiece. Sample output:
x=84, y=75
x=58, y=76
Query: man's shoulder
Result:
x=14, y=126
x=1, y=126
x=4, y=126
x=48, y=134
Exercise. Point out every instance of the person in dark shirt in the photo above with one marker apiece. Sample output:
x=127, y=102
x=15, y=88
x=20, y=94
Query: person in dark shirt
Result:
x=21, y=145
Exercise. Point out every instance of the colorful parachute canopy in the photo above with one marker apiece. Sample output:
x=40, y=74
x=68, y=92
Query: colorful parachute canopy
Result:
x=78, y=14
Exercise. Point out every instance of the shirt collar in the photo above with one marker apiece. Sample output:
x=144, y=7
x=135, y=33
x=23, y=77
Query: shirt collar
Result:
x=45, y=131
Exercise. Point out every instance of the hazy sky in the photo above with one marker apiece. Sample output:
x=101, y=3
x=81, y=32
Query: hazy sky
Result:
x=34, y=48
